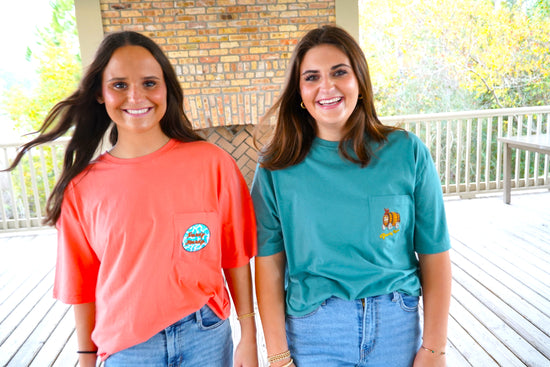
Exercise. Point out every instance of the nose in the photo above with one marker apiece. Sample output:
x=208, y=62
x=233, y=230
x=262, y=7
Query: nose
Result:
x=327, y=83
x=134, y=94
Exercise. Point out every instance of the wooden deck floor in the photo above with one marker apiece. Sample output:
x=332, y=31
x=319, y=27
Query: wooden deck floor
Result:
x=500, y=311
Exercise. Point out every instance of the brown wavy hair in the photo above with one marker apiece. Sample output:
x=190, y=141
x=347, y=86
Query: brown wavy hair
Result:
x=89, y=121
x=295, y=129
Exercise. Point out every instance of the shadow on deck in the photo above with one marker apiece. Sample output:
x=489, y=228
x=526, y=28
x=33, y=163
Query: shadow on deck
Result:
x=500, y=310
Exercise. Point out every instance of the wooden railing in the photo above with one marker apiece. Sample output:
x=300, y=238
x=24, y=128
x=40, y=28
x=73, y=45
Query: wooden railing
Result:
x=464, y=147
x=24, y=191
x=467, y=154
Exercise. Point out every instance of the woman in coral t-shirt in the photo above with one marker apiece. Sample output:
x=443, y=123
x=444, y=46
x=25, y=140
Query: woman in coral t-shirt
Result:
x=148, y=230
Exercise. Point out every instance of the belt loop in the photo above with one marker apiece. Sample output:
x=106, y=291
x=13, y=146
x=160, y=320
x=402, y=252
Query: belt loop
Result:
x=396, y=296
x=198, y=316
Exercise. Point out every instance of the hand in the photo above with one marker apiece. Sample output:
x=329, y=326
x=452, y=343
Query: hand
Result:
x=426, y=358
x=246, y=355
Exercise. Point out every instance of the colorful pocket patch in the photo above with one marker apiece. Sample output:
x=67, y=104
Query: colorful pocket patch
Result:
x=196, y=237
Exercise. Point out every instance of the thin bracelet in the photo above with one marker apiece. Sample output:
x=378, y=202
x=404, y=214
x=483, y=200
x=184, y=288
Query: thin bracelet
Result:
x=278, y=357
x=246, y=315
x=289, y=363
x=431, y=350
x=86, y=351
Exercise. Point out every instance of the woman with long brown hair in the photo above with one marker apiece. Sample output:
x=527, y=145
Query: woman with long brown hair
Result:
x=147, y=230
x=351, y=223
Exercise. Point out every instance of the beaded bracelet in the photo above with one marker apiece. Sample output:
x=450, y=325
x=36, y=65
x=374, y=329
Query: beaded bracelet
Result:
x=278, y=357
x=431, y=350
x=246, y=315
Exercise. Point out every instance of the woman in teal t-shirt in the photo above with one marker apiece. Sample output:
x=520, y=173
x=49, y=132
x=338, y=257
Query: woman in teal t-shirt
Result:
x=351, y=223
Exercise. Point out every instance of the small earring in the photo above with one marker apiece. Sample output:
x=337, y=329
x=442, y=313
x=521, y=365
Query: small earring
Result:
x=302, y=105
x=360, y=96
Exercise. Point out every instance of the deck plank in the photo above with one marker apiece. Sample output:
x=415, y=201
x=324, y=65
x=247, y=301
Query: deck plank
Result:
x=39, y=336
x=24, y=328
x=463, y=343
x=56, y=341
x=507, y=325
x=483, y=337
x=493, y=287
x=67, y=357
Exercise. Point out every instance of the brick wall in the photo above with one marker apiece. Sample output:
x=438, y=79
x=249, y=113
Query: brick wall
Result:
x=230, y=55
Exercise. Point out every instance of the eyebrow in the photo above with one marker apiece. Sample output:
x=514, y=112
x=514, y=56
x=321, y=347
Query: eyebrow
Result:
x=116, y=79
x=332, y=68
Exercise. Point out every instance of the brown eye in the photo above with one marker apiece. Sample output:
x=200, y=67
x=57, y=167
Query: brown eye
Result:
x=311, y=77
x=340, y=72
x=119, y=85
x=150, y=83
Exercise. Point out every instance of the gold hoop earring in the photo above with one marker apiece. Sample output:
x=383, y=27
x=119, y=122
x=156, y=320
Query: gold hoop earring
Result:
x=360, y=96
x=302, y=105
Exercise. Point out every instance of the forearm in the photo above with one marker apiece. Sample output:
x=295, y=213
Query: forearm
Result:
x=270, y=292
x=239, y=281
x=85, y=321
x=436, y=278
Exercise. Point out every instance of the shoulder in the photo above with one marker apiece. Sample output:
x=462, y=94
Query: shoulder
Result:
x=406, y=140
x=202, y=146
x=203, y=151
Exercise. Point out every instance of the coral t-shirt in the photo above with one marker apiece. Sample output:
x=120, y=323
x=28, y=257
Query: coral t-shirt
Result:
x=146, y=239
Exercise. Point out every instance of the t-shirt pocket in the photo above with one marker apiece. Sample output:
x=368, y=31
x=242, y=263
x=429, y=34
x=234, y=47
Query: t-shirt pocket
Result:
x=196, y=239
x=391, y=220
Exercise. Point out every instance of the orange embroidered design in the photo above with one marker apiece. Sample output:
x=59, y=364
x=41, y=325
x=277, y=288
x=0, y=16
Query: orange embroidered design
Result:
x=390, y=220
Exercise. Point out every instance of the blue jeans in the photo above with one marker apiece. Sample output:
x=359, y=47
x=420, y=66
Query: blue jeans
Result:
x=376, y=331
x=200, y=339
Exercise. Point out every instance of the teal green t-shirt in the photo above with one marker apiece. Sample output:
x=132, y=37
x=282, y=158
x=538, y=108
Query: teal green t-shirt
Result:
x=348, y=231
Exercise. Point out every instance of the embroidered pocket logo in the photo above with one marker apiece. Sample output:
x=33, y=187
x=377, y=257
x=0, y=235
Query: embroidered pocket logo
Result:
x=196, y=237
x=390, y=220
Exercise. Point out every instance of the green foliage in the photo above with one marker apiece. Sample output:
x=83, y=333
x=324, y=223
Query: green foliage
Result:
x=437, y=56
x=58, y=70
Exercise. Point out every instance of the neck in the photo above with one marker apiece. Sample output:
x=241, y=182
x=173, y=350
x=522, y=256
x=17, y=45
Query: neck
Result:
x=137, y=146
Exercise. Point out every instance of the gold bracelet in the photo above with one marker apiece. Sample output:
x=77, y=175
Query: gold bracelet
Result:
x=289, y=363
x=431, y=350
x=246, y=315
x=278, y=357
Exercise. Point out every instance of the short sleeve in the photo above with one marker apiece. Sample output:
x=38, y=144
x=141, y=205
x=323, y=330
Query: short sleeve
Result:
x=430, y=232
x=77, y=265
x=270, y=238
x=238, y=220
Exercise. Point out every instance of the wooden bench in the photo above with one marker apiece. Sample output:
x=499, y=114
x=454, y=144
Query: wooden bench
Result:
x=536, y=143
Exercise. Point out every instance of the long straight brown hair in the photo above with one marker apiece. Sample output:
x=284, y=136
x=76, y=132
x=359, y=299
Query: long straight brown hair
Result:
x=89, y=119
x=295, y=129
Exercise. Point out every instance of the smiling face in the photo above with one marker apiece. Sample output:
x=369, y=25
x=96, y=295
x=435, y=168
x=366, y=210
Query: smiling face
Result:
x=134, y=92
x=329, y=89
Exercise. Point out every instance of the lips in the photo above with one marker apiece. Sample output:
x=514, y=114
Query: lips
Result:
x=330, y=101
x=140, y=111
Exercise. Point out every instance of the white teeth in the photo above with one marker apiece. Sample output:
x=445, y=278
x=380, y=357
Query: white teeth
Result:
x=330, y=101
x=137, y=112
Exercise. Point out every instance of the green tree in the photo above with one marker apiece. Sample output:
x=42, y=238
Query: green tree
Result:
x=443, y=55
x=58, y=70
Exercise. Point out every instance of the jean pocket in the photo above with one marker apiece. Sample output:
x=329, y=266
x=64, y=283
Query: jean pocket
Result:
x=207, y=319
x=406, y=302
x=312, y=313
